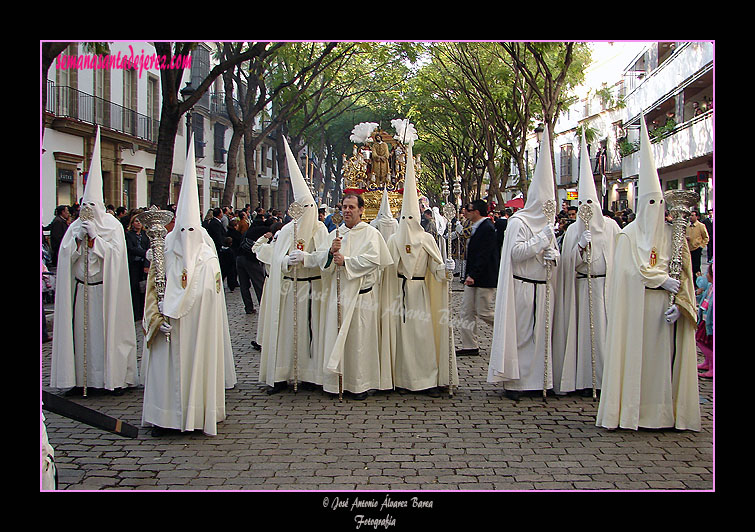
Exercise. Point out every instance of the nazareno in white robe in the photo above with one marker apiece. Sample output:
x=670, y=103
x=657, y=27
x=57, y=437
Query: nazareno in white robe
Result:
x=649, y=380
x=572, y=343
x=355, y=351
x=517, y=353
x=185, y=379
x=111, y=336
x=416, y=321
x=276, y=332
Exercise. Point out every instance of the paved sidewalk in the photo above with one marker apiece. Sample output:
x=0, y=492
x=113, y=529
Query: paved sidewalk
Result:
x=477, y=440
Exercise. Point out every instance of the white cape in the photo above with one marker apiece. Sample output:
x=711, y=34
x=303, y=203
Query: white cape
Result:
x=642, y=387
x=111, y=335
x=185, y=379
x=572, y=344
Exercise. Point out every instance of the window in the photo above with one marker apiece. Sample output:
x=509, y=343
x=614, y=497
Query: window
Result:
x=219, y=144
x=129, y=101
x=565, y=161
x=197, y=128
x=153, y=106
x=200, y=68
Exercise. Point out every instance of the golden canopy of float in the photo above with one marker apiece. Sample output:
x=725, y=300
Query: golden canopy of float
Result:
x=378, y=162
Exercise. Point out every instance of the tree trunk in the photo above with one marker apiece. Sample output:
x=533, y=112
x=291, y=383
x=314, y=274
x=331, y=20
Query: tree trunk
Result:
x=250, y=153
x=166, y=139
x=233, y=166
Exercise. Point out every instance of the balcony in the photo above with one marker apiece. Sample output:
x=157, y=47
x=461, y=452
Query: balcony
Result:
x=687, y=141
x=67, y=102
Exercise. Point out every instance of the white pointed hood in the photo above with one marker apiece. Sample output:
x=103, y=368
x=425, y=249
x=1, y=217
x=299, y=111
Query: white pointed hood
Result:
x=652, y=241
x=384, y=221
x=588, y=194
x=93, y=198
x=540, y=190
x=410, y=231
x=185, y=245
x=306, y=225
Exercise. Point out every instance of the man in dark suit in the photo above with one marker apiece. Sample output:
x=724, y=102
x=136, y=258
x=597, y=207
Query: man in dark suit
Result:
x=483, y=255
x=215, y=228
x=251, y=272
x=57, y=228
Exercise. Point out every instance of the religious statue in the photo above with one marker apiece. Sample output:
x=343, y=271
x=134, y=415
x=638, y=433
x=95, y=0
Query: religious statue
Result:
x=380, y=155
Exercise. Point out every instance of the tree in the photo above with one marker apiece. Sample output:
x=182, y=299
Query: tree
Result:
x=173, y=108
x=550, y=70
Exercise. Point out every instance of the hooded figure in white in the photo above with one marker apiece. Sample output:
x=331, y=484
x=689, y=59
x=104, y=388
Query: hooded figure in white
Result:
x=517, y=352
x=110, y=335
x=416, y=321
x=650, y=374
x=384, y=221
x=572, y=345
x=185, y=378
x=283, y=255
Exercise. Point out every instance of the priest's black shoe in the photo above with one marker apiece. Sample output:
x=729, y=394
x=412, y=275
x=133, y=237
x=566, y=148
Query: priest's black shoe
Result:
x=464, y=352
x=514, y=395
x=434, y=392
x=77, y=390
x=256, y=346
x=279, y=386
x=359, y=396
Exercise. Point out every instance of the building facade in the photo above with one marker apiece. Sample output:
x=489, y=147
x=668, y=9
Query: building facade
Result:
x=121, y=93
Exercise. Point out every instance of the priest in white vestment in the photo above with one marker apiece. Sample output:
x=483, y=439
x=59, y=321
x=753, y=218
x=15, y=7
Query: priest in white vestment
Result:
x=650, y=375
x=288, y=259
x=357, y=253
x=416, y=322
x=572, y=338
x=519, y=345
x=185, y=376
x=110, y=360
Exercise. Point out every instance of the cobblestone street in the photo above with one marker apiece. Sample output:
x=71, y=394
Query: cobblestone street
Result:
x=477, y=440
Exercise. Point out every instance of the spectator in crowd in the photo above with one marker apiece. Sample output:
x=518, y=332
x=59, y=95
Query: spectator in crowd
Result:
x=57, y=229
x=137, y=244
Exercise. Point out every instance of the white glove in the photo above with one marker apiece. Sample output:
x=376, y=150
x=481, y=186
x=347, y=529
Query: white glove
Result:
x=585, y=239
x=547, y=233
x=88, y=229
x=450, y=265
x=165, y=327
x=551, y=254
x=671, y=285
x=160, y=307
x=672, y=314
x=148, y=255
x=295, y=257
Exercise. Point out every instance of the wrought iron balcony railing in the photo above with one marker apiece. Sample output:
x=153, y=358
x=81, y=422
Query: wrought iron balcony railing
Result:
x=67, y=102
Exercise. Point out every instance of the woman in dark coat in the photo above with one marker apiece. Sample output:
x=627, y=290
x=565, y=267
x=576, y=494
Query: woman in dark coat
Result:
x=137, y=244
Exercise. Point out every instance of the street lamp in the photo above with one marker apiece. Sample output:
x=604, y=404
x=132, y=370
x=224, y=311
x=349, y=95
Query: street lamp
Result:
x=186, y=93
x=539, y=135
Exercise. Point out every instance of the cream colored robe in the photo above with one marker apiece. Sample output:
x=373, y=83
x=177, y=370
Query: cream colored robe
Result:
x=276, y=333
x=416, y=322
x=641, y=386
x=185, y=379
x=517, y=352
x=354, y=350
x=572, y=343
x=111, y=335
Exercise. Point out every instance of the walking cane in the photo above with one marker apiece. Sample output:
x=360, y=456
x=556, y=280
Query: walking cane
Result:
x=336, y=218
x=296, y=211
x=449, y=212
x=86, y=214
x=549, y=209
x=585, y=214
